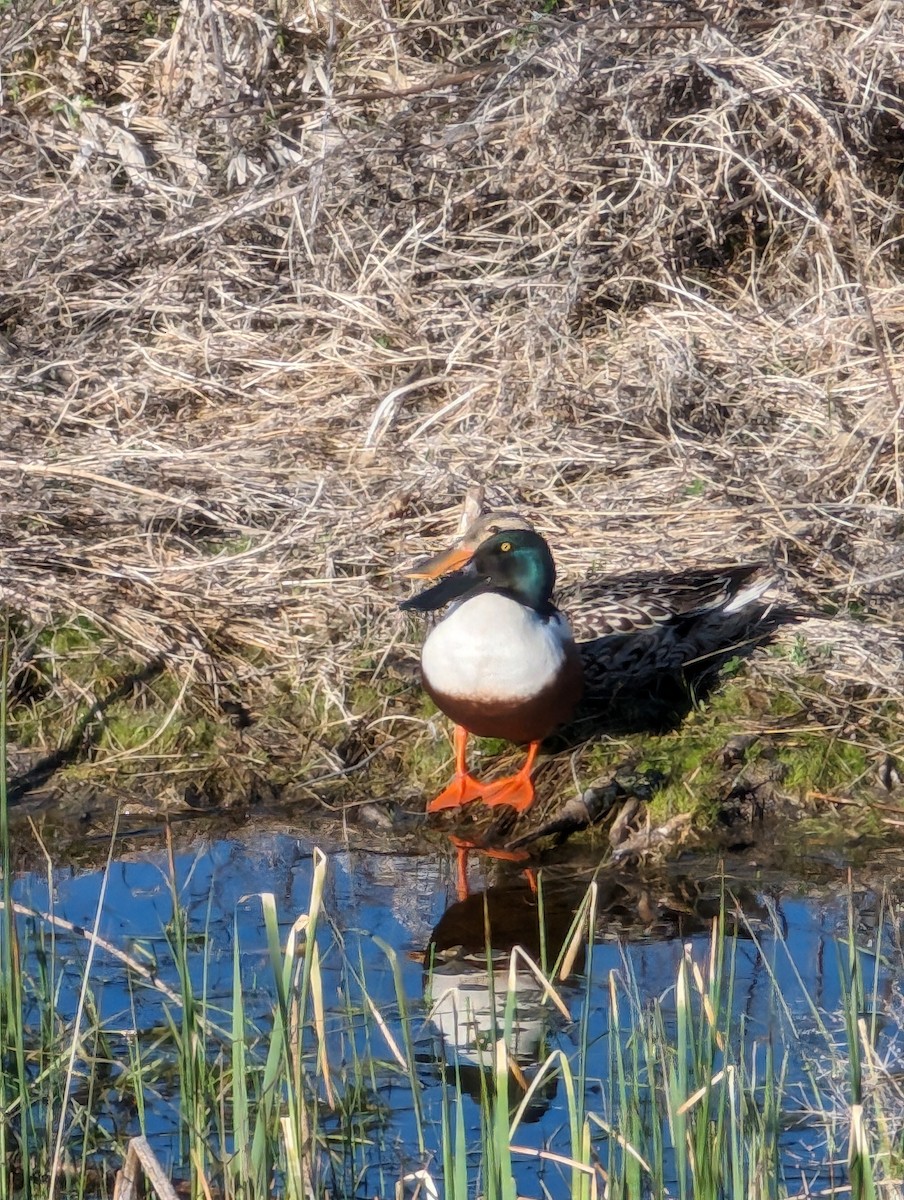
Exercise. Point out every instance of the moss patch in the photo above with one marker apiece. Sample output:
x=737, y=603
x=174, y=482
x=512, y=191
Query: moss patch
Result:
x=771, y=729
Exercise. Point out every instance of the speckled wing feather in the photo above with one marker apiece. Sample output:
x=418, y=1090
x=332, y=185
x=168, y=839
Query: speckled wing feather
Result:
x=600, y=606
x=651, y=640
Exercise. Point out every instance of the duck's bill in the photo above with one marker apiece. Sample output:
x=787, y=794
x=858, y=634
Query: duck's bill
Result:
x=453, y=587
x=442, y=563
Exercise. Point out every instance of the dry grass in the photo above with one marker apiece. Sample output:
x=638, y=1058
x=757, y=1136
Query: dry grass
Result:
x=279, y=283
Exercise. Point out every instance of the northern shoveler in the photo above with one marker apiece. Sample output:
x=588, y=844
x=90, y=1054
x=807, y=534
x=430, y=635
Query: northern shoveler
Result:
x=505, y=648
x=502, y=662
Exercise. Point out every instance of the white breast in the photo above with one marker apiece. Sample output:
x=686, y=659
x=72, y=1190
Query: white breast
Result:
x=493, y=648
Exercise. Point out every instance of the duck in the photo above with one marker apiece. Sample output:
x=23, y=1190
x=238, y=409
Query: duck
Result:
x=502, y=662
x=625, y=636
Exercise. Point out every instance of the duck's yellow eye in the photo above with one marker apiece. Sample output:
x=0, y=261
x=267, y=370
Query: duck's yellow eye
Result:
x=506, y=546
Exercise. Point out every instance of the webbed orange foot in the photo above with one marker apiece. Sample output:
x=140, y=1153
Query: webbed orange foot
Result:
x=515, y=790
x=464, y=789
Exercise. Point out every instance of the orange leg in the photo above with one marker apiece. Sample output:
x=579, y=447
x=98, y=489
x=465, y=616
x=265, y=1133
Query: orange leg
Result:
x=464, y=788
x=515, y=790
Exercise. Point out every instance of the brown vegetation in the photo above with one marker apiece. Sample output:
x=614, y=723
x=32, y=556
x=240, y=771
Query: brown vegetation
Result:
x=279, y=283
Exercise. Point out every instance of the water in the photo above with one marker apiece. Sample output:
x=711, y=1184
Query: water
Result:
x=379, y=903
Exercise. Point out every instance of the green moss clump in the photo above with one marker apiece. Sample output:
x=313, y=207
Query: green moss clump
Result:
x=689, y=758
x=820, y=763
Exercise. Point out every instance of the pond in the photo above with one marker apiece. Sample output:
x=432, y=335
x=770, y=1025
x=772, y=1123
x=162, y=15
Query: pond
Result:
x=403, y=1037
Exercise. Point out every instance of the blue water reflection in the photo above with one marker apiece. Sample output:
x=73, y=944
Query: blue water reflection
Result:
x=407, y=903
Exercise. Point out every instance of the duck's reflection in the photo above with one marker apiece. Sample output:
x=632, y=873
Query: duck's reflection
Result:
x=470, y=970
x=523, y=937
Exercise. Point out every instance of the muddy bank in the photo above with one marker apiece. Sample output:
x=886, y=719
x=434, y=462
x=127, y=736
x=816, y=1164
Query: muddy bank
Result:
x=751, y=813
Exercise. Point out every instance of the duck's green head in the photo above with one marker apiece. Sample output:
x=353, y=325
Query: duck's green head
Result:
x=514, y=562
